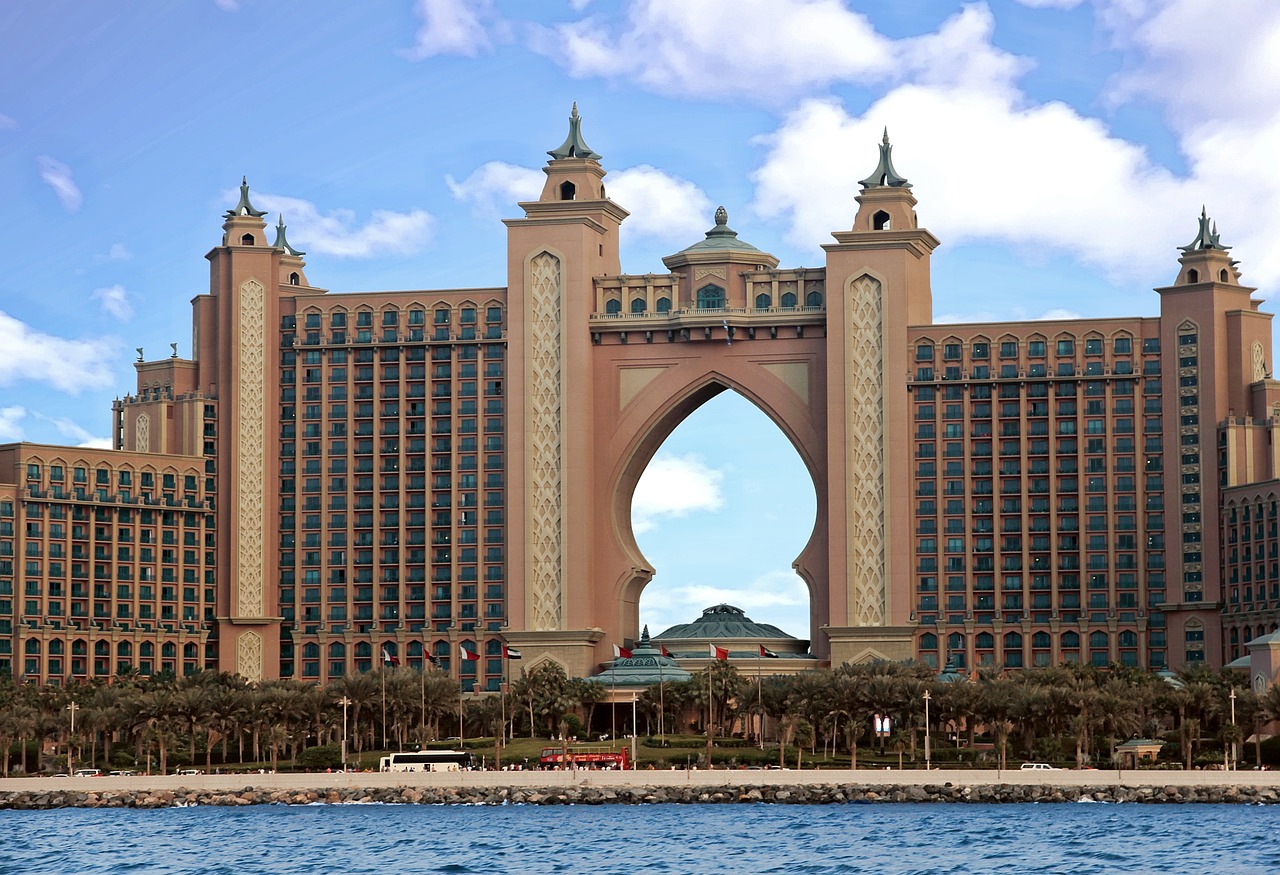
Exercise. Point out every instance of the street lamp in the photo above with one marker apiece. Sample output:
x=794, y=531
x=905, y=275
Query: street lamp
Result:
x=927, y=755
x=344, y=702
x=73, y=708
x=1232, y=697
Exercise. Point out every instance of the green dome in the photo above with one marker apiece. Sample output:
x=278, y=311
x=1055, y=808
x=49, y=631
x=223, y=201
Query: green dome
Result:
x=721, y=238
x=722, y=621
x=645, y=667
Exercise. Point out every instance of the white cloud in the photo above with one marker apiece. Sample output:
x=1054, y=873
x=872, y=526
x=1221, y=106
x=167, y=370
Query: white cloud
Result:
x=662, y=206
x=496, y=187
x=770, y=51
x=58, y=177
x=11, y=423
x=1050, y=4
x=117, y=252
x=114, y=300
x=227, y=5
x=451, y=27
x=66, y=365
x=673, y=487
x=7, y=122
x=80, y=436
x=1038, y=177
x=336, y=233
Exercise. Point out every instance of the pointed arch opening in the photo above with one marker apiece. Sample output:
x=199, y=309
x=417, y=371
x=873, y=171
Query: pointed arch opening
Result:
x=724, y=527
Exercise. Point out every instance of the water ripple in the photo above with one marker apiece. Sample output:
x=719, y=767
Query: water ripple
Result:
x=638, y=840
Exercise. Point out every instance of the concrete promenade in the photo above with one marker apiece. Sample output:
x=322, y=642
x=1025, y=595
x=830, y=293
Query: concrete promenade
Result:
x=645, y=778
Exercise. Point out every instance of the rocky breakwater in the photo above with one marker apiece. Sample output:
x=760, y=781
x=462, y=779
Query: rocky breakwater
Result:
x=795, y=794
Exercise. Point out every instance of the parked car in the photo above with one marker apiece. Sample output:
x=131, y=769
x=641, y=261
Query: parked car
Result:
x=1038, y=767
x=87, y=773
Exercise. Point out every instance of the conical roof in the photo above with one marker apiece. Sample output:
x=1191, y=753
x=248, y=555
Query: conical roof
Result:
x=645, y=667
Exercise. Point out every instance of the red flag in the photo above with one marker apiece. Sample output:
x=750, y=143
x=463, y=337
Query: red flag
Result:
x=765, y=651
x=387, y=658
x=510, y=653
x=467, y=654
x=718, y=652
x=621, y=652
x=665, y=651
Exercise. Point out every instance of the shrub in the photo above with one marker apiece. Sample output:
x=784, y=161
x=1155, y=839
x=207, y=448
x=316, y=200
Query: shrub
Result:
x=325, y=756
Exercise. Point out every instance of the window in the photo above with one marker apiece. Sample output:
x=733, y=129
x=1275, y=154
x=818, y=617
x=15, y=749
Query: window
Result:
x=711, y=298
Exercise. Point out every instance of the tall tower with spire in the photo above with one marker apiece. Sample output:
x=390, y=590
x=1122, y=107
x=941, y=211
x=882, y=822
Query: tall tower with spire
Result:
x=567, y=236
x=877, y=285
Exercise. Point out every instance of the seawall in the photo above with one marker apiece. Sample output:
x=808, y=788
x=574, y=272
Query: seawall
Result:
x=802, y=787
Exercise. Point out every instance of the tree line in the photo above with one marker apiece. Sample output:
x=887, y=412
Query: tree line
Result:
x=1070, y=714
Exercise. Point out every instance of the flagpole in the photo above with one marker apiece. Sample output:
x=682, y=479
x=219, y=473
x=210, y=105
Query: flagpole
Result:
x=711, y=714
x=759, y=700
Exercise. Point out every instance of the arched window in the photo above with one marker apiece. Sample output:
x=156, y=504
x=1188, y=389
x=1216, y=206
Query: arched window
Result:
x=337, y=650
x=985, y=641
x=788, y=299
x=311, y=650
x=1041, y=641
x=710, y=298
x=881, y=221
x=101, y=648
x=168, y=650
x=664, y=305
x=1070, y=639
x=124, y=648
x=568, y=191
x=763, y=301
x=1223, y=276
x=32, y=647
x=1193, y=275
x=813, y=299
x=928, y=641
x=190, y=651
x=613, y=306
x=246, y=240
x=364, y=650
x=146, y=650
x=1098, y=641
x=637, y=305
x=294, y=278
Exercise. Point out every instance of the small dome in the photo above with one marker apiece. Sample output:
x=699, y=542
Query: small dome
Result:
x=721, y=238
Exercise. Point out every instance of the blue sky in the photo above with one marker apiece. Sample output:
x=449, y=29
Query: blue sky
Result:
x=1061, y=150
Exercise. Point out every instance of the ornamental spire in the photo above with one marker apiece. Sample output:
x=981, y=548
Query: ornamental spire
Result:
x=281, y=242
x=573, y=145
x=884, y=175
x=1206, y=236
x=244, y=208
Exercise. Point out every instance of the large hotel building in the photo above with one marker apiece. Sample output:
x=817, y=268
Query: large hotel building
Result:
x=331, y=476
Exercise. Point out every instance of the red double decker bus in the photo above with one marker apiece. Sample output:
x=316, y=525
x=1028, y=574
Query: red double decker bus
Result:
x=581, y=757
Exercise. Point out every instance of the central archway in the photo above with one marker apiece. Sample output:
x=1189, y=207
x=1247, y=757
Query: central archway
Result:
x=779, y=386
x=721, y=513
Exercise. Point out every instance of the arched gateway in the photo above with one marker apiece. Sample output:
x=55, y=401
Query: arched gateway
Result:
x=605, y=366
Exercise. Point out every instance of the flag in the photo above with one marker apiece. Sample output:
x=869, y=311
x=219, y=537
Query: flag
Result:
x=665, y=651
x=388, y=658
x=765, y=651
x=431, y=658
x=467, y=654
x=621, y=652
x=510, y=652
x=718, y=652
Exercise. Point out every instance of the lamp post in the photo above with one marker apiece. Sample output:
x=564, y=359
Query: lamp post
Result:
x=344, y=702
x=72, y=709
x=927, y=755
x=634, y=730
x=1232, y=697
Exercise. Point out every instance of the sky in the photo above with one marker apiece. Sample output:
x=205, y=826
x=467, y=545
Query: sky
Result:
x=1060, y=149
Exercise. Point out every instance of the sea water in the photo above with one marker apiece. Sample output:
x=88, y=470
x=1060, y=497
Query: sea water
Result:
x=1073, y=839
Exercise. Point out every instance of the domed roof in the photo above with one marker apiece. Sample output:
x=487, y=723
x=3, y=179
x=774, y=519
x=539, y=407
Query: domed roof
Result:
x=646, y=666
x=722, y=621
x=721, y=238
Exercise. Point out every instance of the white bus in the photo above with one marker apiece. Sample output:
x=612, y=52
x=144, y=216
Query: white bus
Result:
x=428, y=761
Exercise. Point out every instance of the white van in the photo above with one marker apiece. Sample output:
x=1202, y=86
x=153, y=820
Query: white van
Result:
x=1038, y=767
x=88, y=773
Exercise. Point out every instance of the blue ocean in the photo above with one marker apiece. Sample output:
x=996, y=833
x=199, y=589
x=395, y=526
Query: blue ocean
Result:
x=631, y=840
